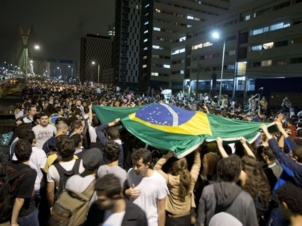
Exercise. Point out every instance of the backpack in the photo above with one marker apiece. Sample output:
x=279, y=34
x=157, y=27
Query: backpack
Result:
x=8, y=191
x=65, y=175
x=71, y=208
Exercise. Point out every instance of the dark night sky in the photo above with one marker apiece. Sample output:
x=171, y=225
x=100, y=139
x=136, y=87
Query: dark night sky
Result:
x=58, y=24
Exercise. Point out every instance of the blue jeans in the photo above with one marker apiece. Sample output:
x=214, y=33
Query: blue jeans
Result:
x=29, y=220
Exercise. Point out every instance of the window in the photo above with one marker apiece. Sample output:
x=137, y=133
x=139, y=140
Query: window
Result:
x=156, y=29
x=146, y=31
x=247, y=17
x=279, y=26
x=166, y=66
x=154, y=73
x=146, y=40
x=266, y=63
x=260, y=30
x=182, y=39
x=232, y=52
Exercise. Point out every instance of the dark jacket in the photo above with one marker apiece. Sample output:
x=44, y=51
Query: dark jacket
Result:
x=226, y=197
x=134, y=215
x=101, y=135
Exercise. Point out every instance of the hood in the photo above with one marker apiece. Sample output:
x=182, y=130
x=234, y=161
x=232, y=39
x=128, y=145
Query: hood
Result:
x=225, y=193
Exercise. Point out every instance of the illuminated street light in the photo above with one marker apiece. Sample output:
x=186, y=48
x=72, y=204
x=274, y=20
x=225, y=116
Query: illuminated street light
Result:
x=216, y=35
x=37, y=47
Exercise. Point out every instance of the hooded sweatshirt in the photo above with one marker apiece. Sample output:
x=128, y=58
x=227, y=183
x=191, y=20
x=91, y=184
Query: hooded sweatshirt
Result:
x=226, y=197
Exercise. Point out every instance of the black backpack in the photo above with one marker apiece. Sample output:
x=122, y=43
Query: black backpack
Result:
x=8, y=191
x=65, y=175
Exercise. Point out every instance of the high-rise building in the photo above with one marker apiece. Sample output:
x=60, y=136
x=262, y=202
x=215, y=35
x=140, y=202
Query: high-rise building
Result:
x=144, y=31
x=262, y=39
x=127, y=41
x=96, y=52
x=160, y=20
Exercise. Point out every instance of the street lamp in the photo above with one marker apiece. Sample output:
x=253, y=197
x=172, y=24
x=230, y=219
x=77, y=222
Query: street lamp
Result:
x=71, y=70
x=36, y=47
x=93, y=63
x=216, y=35
x=60, y=71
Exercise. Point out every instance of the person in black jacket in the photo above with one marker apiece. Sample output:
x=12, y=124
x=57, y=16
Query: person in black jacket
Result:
x=111, y=208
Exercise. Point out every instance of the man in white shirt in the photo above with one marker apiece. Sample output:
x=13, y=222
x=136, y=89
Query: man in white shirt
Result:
x=43, y=131
x=31, y=113
x=147, y=188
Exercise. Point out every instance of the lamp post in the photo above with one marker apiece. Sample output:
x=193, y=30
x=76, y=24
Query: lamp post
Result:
x=71, y=70
x=93, y=63
x=36, y=47
x=216, y=35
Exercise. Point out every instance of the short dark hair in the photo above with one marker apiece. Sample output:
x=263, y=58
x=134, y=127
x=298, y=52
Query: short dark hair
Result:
x=66, y=148
x=23, y=150
x=141, y=153
x=108, y=185
x=269, y=153
x=113, y=133
x=23, y=129
x=112, y=151
x=297, y=152
x=30, y=136
x=77, y=139
x=292, y=196
x=228, y=169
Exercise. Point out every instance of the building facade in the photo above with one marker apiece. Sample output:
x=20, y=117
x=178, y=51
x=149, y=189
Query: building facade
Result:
x=262, y=40
x=144, y=31
x=127, y=41
x=96, y=56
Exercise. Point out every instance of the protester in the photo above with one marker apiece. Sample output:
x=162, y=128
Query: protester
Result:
x=181, y=183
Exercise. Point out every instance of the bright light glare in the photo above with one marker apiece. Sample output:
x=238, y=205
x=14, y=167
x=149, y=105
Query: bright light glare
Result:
x=215, y=35
x=93, y=62
x=37, y=47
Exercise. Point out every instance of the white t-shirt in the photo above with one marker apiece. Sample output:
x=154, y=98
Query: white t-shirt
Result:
x=37, y=162
x=42, y=134
x=53, y=174
x=114, y=219
x=152, y=188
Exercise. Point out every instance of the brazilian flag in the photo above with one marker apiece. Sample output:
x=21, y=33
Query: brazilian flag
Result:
x=168, y=127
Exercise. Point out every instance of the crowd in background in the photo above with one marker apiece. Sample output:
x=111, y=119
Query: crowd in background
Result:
x=60, y=146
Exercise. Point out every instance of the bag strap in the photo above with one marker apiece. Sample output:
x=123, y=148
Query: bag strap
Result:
x=90, y=189
x=18, y=173
x=76, y=166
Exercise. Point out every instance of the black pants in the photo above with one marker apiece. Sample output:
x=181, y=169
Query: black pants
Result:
x=178, y=221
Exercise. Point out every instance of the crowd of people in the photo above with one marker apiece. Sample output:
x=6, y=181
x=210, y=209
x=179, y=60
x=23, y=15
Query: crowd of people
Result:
x=67, y=168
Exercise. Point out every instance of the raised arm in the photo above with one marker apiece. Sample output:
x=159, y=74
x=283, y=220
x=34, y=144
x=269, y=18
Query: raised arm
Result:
x=249, y=152
x=159, y=164
x=196, y=165
x=220, y=148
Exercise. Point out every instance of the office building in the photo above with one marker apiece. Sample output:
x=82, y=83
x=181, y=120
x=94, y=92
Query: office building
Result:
x=262, y=39
x=96, y=56
x=144, y=31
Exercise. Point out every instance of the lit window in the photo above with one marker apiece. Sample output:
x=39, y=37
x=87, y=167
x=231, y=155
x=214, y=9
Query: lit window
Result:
x=146, y=48
x=145, y=65
x=182, y=38
x=146, y=31
x=182, y=72
x=146, y=6
x=154, y=73
x=166, y=66
x=145, y=57
x=146, y=40
x=247, y=17
x=268, y=45
x=147, y=22
x=257, y=48
x=156, y=47
x=157, y=10
x=156, y=29
x=207, y=44
x=190, y=18
x=189, y=25
x=266, y=63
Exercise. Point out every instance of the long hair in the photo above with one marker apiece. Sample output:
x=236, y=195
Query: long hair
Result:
x=180, y=167
x=256, y=184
